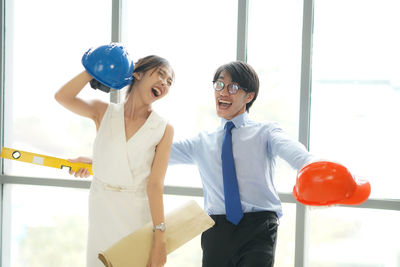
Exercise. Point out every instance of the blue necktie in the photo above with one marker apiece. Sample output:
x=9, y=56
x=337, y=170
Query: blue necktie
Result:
x=233, y=206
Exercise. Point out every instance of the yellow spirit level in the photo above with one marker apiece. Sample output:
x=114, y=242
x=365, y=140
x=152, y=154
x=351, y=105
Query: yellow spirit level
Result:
x=15, y=154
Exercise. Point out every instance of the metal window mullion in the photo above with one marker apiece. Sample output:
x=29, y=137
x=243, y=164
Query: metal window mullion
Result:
x=305, y=84
x=243, y=11
x=301, y=236
x=116, y=11
x=2, y=69
x=382, y=204
x=85, y=184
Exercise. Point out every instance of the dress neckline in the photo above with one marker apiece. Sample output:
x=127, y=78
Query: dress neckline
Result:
x=141, y=128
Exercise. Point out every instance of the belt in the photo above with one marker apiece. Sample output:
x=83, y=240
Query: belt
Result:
x=118, y=188
x=248, y=215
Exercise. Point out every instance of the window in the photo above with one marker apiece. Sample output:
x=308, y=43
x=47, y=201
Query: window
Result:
x=40, y=58
x=354, y=114
x=43, y=226
x=45, y=41
x=190, y=254
x=196, y=39
x=354, y=121
x=356, y=90
x=276, y=57
x=342, y=236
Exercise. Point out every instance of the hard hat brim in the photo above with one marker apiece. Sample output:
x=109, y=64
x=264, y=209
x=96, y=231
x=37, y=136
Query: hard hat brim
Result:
x=360, y=194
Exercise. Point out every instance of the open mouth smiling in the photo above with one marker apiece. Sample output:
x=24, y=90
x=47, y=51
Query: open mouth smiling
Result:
x=224, y=103
x=156, y=92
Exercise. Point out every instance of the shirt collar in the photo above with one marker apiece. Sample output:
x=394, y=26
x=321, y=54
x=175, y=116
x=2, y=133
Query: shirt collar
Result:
x=238, y=121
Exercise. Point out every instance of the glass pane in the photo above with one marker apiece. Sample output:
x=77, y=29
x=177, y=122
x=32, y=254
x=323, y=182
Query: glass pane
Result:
x=47, y=226
x=274, y=50
x=44, y=226
x=284, y=254
x=190, y=254
x=353, y=237
x=44, y=51
x=196, y=37
x=356, y=90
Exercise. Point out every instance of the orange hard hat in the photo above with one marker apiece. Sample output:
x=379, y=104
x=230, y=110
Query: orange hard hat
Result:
x=327, y=183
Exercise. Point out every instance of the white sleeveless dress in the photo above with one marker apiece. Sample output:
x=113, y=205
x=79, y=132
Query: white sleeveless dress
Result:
x=118, y=202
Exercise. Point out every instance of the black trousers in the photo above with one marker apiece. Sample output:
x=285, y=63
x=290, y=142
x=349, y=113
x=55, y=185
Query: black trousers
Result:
x=251, y=243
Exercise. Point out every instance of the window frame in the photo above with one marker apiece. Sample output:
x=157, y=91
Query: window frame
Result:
x=304, y=123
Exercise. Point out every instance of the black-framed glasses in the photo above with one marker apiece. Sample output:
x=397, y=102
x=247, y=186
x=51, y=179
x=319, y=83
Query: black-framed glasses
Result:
x=232, y=87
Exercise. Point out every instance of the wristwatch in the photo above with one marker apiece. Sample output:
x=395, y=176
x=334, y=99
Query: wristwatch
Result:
x=160, y=227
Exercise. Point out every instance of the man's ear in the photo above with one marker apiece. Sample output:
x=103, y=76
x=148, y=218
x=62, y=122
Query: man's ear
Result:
x=249, y=97
x=137, y=75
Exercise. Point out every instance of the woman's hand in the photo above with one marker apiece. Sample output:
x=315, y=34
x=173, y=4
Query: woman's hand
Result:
x=158, y=255
x=83, y=172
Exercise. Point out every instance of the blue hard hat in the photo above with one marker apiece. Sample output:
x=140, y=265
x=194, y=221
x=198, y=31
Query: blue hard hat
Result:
x=110, y=65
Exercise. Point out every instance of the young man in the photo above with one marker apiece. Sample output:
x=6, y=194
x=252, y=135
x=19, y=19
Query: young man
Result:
x=236, y=164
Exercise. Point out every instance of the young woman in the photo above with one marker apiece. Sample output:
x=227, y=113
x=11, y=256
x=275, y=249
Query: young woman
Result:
x=130, y=158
